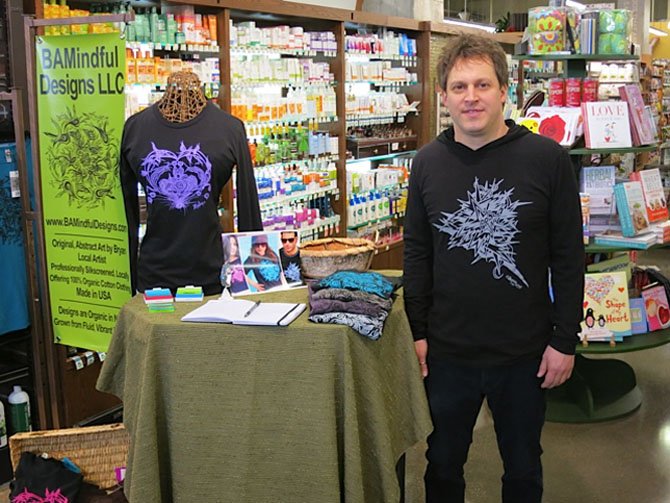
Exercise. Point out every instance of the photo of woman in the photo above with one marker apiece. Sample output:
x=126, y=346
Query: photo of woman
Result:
x=262, y=266
x=232, y=272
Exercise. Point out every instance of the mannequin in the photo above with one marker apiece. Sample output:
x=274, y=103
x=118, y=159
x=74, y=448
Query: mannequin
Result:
x=182, y=151
x=183, y=99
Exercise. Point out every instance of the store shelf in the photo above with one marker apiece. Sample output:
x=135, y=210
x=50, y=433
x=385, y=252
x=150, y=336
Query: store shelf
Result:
x=591, y=151
x=369, y=223
x=268, y=51
x=381, y=157
x=575, y=57
x=302, y=196
x=383, y=83
x=594, y=248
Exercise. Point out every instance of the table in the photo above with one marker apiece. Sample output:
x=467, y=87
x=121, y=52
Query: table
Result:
x=601, y=389
x=305, y=413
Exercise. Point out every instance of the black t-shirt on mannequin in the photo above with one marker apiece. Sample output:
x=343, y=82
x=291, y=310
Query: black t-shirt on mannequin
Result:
x=182, y=168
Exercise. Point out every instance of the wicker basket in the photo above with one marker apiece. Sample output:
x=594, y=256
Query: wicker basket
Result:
x=97, y=450
x=323, y=257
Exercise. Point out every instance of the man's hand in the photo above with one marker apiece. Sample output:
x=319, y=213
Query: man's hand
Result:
x=421, y=348
x=555, y=367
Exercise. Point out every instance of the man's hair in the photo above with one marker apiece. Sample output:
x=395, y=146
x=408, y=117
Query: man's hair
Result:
x=469, y=46
x=295, y=233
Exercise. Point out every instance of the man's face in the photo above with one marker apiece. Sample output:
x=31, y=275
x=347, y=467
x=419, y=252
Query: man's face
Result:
x=475, y=99
x=289, y=242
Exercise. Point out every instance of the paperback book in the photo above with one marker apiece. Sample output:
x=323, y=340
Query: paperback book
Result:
x=618, y=240
x=641, y=126
x=606, y=307
x=638, y=316
x=632, y=210
x=653, y=192
x=598, y=182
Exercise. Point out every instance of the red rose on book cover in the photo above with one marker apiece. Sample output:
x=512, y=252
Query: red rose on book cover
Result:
x=553, y=127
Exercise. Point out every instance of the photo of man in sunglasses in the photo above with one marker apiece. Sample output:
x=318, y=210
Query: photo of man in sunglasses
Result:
x=289, y=254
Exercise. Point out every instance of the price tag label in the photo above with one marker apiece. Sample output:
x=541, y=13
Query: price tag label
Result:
x=102, y=355
x=78, y=362
x=90, y=357
x=14, y=184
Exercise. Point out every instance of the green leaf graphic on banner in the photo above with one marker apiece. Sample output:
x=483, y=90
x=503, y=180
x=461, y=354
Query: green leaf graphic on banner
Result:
x=83, y=158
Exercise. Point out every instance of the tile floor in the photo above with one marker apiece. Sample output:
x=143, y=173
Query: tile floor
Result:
x=622, y=461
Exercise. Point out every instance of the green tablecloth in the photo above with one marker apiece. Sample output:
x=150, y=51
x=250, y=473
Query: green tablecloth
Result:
x=310, y=413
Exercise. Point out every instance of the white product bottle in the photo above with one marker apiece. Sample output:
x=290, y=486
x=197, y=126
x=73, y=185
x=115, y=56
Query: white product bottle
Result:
x=3, y=427
x=19, y=410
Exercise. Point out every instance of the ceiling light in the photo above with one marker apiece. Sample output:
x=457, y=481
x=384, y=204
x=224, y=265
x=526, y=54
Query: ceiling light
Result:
x=657, y=32
x=471, y=24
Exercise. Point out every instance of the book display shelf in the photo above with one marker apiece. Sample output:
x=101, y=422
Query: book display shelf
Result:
x=599, y=389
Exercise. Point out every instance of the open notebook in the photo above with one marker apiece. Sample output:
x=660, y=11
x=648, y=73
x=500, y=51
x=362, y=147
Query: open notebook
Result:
x=246, y=312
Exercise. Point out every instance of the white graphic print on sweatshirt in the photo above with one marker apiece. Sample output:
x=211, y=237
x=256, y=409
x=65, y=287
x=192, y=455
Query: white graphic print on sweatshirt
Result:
x=486, y=224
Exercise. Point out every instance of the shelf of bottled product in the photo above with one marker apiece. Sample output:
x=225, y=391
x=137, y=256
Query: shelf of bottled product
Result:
x=306, y=195
x=328, y=224
x=554, y=56
x=296, y=84
x=381, y=157
x=269, y=51
x=384, y=83
x=323, y=39
x=370, y=119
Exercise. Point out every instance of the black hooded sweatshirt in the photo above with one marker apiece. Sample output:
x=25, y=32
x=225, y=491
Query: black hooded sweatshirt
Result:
x=482, y=231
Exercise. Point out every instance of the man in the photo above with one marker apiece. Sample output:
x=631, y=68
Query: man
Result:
x=290, y=257
x=492, y=209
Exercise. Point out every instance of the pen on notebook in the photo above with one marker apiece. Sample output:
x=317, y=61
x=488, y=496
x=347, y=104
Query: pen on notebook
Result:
x=251, y=309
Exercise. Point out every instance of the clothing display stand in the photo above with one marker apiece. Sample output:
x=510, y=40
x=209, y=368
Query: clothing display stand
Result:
x=183, y=99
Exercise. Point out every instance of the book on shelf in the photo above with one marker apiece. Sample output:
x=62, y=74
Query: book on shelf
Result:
x=642, y=128
x=618, y=240
x=606, y=307
x=246, y=312
x=614, y=264
x=638, y=316
x=657, y=306
x=584, y=202
x=654, y=196
x=631, y=208
x=606, y=124
x=662, y=232
x=598, y=182
x=561, y=124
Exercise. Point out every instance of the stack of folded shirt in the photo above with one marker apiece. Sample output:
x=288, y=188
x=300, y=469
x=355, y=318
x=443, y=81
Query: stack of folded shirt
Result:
x=360, y=300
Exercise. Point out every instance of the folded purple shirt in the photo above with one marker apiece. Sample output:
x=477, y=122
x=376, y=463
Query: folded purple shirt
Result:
x=349, y=295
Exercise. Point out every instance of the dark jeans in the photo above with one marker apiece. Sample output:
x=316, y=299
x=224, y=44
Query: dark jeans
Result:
x=517, y=403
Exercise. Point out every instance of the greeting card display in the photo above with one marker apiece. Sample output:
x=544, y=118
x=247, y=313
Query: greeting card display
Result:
x=606, y=124
x=606, y=307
